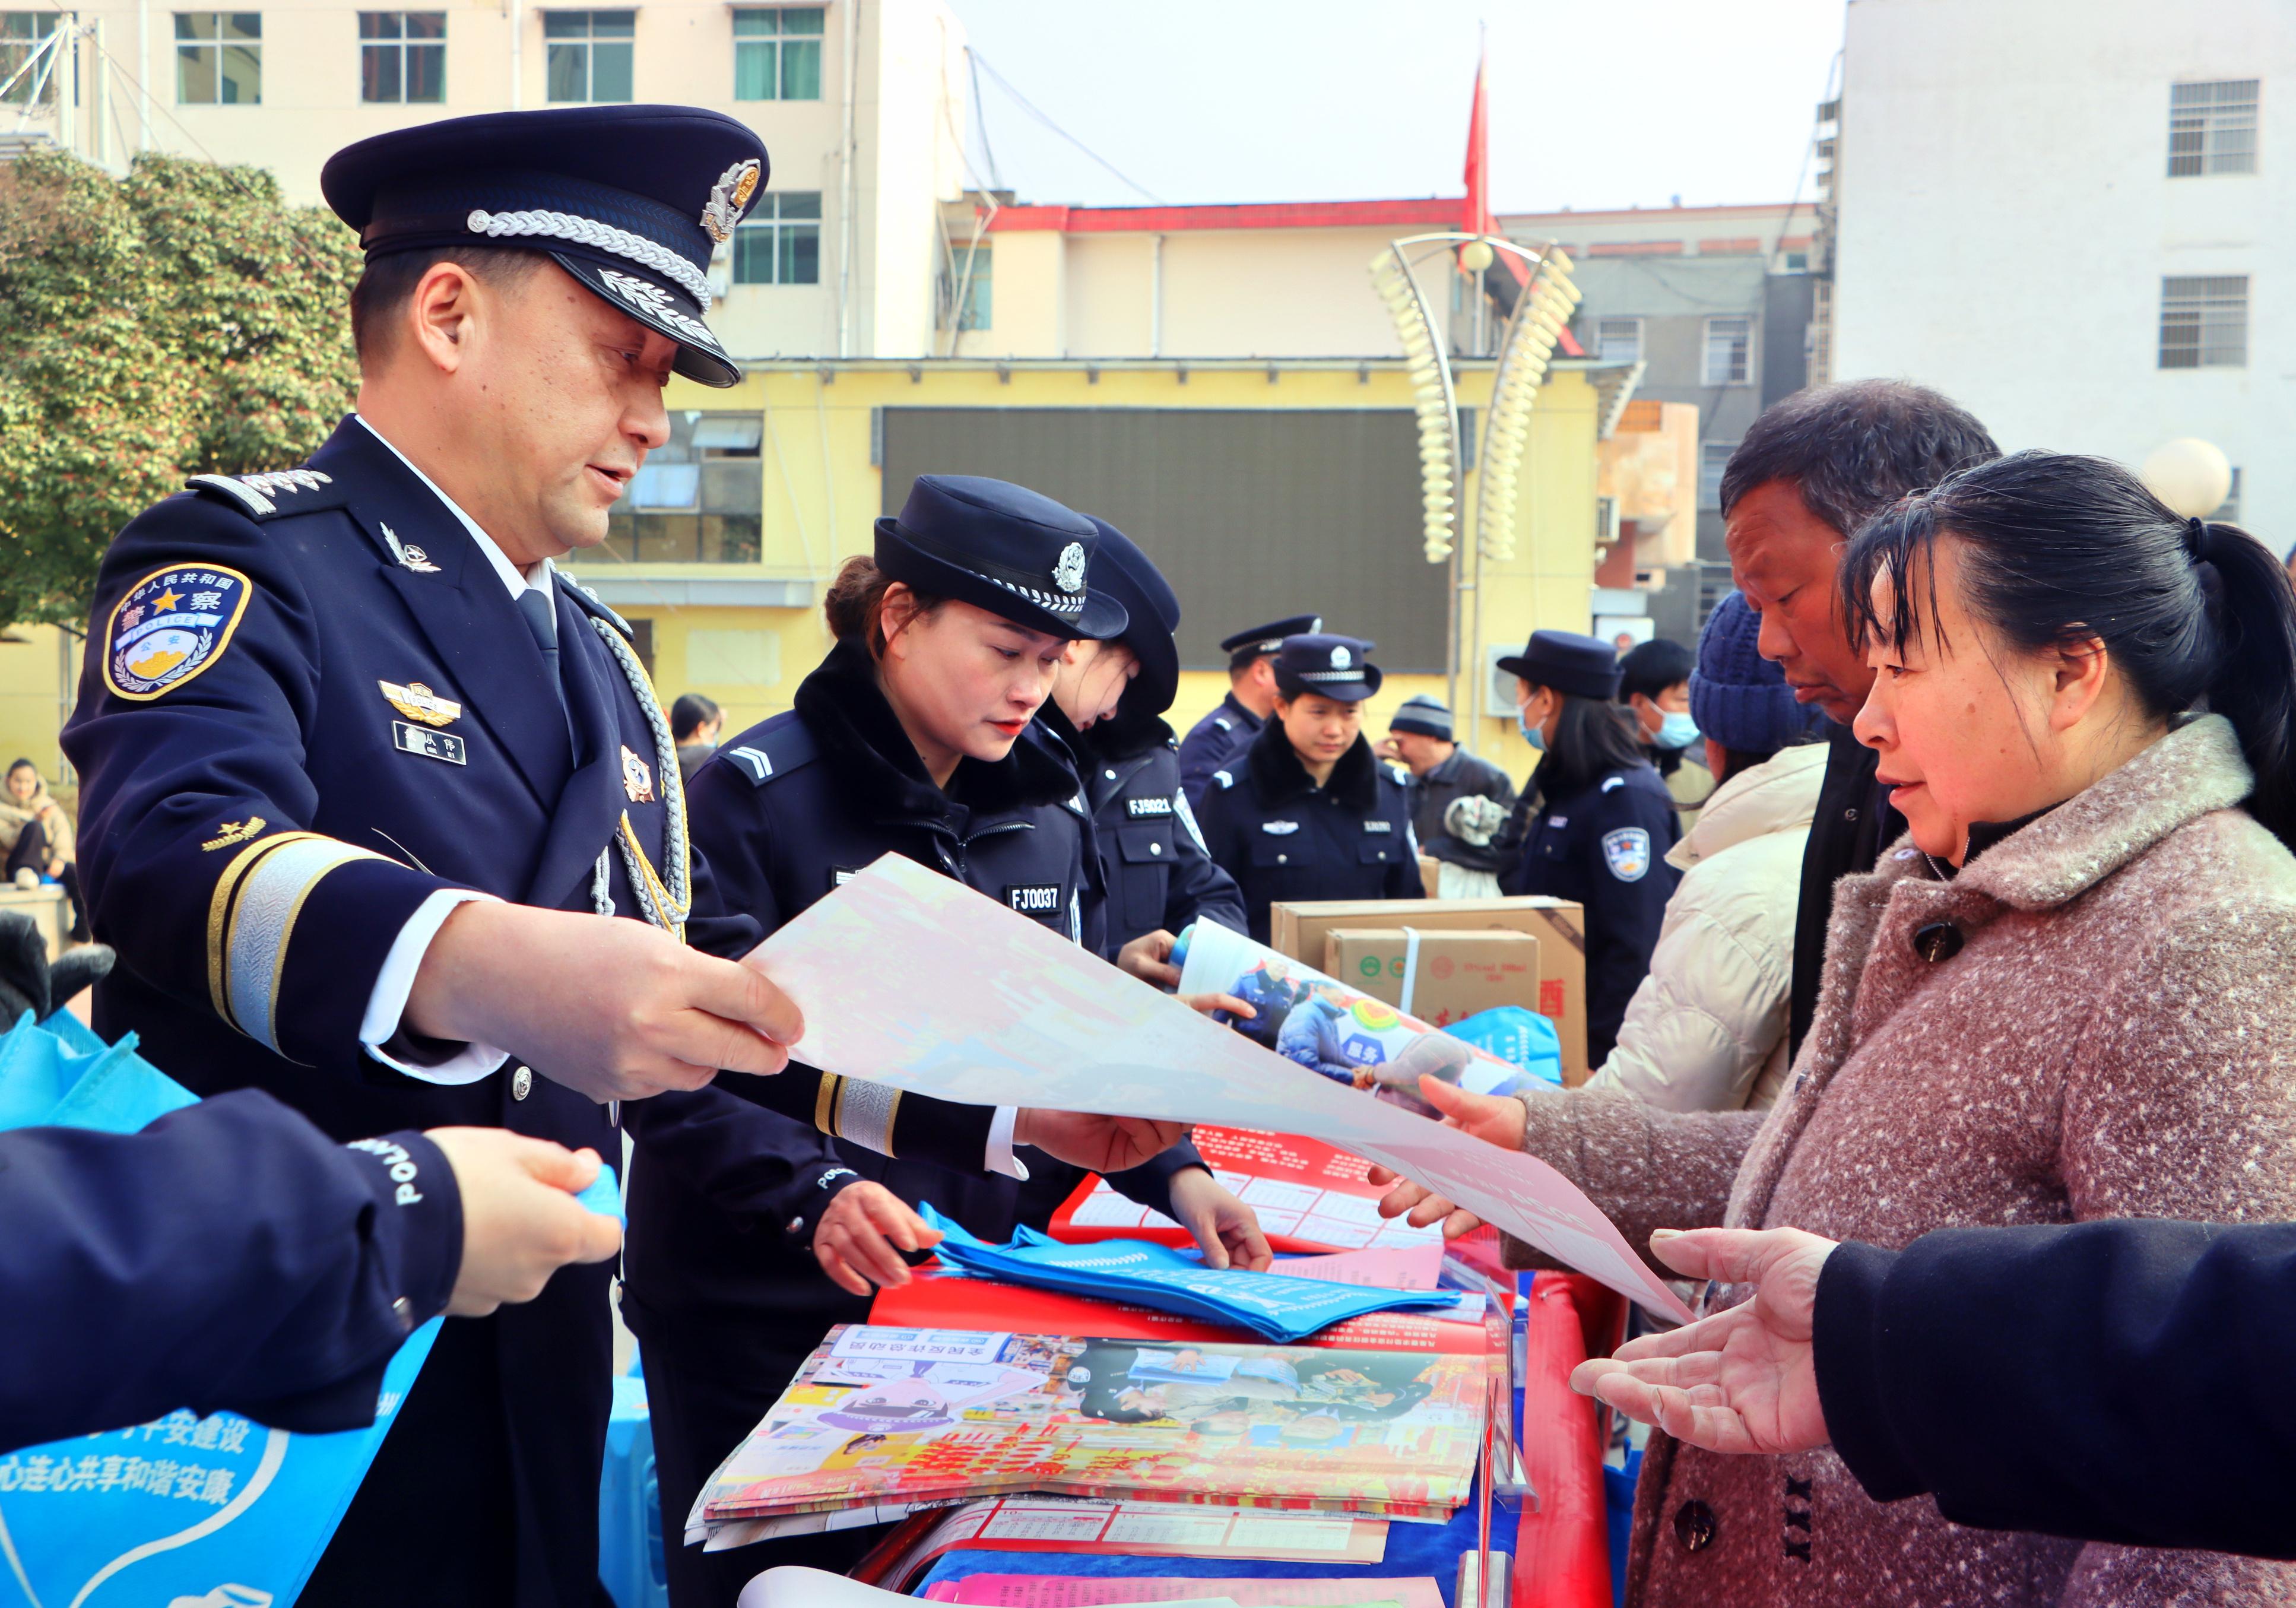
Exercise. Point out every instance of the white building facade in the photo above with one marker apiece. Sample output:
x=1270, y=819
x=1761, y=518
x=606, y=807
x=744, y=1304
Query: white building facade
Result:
x=2075, y=217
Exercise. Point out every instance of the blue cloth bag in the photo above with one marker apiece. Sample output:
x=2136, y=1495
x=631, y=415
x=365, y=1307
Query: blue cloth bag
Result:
x=185, y=1513
x=1521, y=1037
x=1280, y=1307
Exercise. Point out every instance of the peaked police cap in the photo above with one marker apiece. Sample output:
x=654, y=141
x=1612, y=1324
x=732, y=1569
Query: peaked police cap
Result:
x=1266, y=639
x=1153, y=611
x=1001, y=547
x=1583, y=667
x=1328, y=666
x=632, y=200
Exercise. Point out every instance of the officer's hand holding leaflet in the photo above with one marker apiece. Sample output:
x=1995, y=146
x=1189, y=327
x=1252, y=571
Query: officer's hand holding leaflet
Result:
x=1149, y=958
x=616, y=1010
x=1099, y=1143
x=520, y=1221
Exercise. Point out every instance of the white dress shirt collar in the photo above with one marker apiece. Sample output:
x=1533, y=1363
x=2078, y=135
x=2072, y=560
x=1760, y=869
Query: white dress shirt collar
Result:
x=512, y=577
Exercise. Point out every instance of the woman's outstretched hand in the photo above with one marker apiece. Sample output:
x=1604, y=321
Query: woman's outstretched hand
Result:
x=1741, y=1381
x=1499, y=1119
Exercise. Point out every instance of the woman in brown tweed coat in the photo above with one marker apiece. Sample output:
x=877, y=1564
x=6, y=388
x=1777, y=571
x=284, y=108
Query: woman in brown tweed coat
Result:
x=2068, y=993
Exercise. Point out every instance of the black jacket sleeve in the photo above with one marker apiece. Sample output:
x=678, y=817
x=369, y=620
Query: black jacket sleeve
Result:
x=2117, y=1382
x=1198, y=888
x=228, y=1256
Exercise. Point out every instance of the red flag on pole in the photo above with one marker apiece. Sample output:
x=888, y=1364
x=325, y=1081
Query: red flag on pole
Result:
x=1479, y=218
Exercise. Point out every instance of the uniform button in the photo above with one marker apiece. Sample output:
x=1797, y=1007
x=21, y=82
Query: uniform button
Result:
x=521, y=1083
x=1282, y=859
x=1849, y=815
x=1155, y=848
x=1109, y=775
x=1696, y=1526
x=797, y=1225
x=403, y=1310
x=1938, y=942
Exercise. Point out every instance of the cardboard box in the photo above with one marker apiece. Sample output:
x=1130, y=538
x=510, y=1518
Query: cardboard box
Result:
x=1452, y=976
x=1298, y=929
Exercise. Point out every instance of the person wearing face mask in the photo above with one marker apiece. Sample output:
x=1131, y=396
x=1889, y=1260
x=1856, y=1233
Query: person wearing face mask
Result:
x=1594, y=822
x=1310, y=812
x=1107, y=706
x=1654, y=686
x=906, y=739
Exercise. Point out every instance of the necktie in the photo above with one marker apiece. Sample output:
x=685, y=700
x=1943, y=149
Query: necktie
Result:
x=534, y=604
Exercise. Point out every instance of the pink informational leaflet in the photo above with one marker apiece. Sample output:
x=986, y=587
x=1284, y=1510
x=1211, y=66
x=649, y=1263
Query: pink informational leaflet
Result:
x=1085, y=1591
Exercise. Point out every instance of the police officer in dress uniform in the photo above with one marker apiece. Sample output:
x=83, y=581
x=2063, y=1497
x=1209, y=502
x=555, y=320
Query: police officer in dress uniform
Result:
x=365, y=780
x=1108, y=707
x=907, y=739
x=1595, y=821
x=1307, y=812
x=1228, y=730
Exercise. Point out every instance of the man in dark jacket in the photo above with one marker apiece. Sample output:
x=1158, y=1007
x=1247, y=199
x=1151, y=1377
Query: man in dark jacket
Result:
x=2116, y=1381
x=1811, y=471
x=1442, y=773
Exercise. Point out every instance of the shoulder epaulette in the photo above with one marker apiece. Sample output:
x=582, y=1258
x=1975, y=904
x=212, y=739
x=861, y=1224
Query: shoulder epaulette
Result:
x=587, y=600
x=780, y=746
x=1225, y=780
x=265, y=495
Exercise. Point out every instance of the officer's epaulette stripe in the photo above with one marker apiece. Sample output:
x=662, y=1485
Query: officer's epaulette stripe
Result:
x=263, y=497
x=786, y=745
x=252, y=922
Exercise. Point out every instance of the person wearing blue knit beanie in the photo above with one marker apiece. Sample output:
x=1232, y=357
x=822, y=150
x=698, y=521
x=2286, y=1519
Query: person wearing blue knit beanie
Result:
x=1707, y=1028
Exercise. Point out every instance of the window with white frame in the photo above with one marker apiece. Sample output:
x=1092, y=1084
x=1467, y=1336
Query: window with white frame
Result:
x=2212, y=127
x=1729, y=351
x=780, y=242
x=1618, y=340
x=1713, y=458
x=777, y=52
x=697, y=498
x=589, y=55
x=967, y=286
x=2204, y=321
x=403, y=57
x=21, y=34
x=218, y=58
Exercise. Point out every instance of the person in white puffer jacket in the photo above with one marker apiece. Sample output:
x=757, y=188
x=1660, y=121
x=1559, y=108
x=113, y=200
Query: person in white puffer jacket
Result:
x=1706, y=1031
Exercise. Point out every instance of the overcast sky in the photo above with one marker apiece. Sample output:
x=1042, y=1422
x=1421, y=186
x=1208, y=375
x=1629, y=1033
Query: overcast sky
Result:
x=1595, y=103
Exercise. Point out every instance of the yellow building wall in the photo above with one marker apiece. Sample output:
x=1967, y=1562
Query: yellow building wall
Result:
x=32, y=676
x=822, y=495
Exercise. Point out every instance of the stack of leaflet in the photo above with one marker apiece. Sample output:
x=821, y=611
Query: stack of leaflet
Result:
x=893, y=1420
x=1278, y=1307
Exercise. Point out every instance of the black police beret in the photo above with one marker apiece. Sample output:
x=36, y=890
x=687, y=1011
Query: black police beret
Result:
x=630, y=200
x=1328, y=666
x=1001, y=547
x=1584, y=667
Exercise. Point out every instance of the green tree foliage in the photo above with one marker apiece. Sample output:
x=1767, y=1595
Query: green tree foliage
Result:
x=182, y=320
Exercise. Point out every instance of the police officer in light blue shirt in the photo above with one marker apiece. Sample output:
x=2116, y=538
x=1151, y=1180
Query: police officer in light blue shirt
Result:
x=1308, y=812
x=1594, y=822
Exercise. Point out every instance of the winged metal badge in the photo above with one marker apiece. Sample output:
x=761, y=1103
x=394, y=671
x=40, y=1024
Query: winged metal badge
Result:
x=729, y=198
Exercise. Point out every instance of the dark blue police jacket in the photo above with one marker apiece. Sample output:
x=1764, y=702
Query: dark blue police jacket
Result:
x=1152, y=860
x=309, y=703
x=1283, y=838
x=230, y=1257
x=1604, y=845
x=784, y=812
x=1213, y=743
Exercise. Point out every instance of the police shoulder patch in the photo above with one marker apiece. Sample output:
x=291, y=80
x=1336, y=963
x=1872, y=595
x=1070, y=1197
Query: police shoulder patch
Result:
x=1627, y=853
x=170, y=626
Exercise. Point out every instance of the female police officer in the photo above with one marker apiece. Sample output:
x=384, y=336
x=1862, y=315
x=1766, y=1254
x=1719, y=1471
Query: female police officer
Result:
x=904, y=739
x=1595, y=820
x=1108, y=706
x=1308, y=813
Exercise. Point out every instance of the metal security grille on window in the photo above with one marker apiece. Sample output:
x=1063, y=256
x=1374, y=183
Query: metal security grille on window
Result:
x=218, y=58
x=777, y=52
x=780, y=242
x=1713, y=458
x=589, y=54
x=967, y=287
x=403, y=56
x=1729, y=351
x=1618, y=340
x=2204, y=321
x=2212, y=127
x=697, y=500
x=23, y=72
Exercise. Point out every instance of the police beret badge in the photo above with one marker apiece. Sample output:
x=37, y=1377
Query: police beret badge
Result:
x=170, y=626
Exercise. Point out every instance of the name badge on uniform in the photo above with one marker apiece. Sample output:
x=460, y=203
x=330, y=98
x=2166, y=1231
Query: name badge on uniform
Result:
x=1139, y=808
x=838, y=875
x=1282, y=829
x=1380, y=826
x=1034, y=898
x=430, y=745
